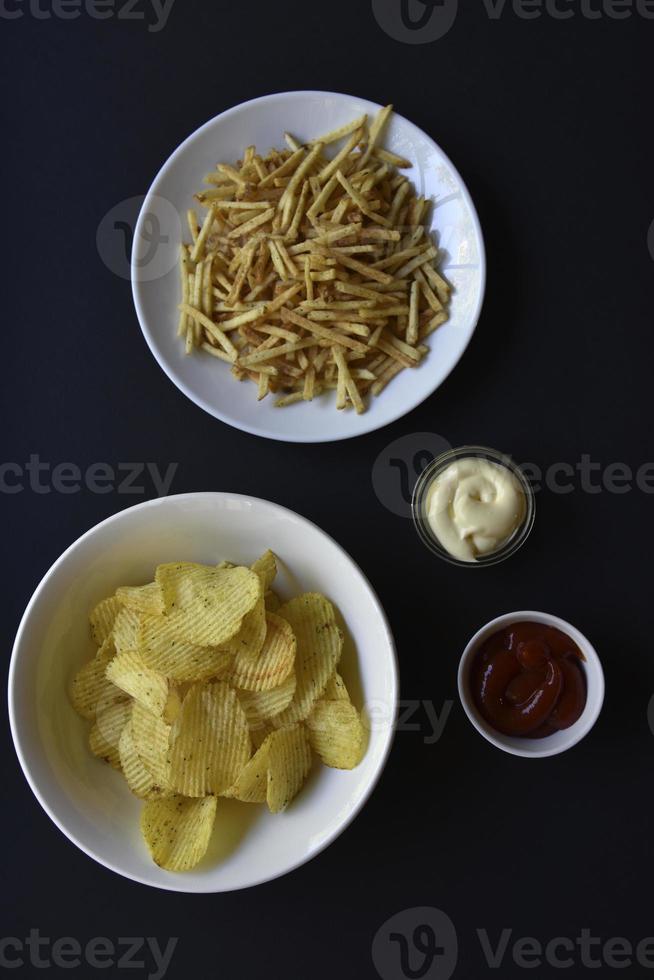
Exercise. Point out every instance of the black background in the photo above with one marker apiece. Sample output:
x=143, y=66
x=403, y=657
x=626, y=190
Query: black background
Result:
x=549, y=123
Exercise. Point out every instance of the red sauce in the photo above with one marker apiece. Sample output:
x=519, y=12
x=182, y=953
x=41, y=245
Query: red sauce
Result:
x=527, y=680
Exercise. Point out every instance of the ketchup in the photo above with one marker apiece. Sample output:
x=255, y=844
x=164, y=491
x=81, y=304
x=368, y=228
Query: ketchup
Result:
x=527, y=680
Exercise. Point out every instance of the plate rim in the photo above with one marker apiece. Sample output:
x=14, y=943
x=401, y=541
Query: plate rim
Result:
x=14, y=723
x=259, y=430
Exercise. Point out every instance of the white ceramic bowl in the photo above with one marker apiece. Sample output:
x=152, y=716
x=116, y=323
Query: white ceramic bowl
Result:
x=552, y=744
x=155, y=276
x=89, y=801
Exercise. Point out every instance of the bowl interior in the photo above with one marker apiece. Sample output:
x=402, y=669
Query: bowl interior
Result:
x=559, y=741
x=88, y=800
x=155, y=273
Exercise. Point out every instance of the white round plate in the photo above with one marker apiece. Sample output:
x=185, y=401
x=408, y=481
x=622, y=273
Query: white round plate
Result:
x=89, y=801
x=162, y=225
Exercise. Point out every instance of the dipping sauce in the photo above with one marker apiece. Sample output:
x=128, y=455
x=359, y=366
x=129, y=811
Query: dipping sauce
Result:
x=527, y=680
x=474, y=506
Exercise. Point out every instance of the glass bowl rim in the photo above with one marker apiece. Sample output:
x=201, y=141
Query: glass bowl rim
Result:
x=429, y=473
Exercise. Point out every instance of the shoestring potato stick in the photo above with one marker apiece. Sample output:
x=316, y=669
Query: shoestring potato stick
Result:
x=312, y=271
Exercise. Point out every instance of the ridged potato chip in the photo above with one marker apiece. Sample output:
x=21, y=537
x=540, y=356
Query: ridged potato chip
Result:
x=104, y=737
x=110, y=695
x=151, y=735
x=247, y=643
x=172, y=706
x=177, y=830
x=90, y=688
x=206, y=685
x=209, y=741
x=142, y=598
x=336, y=689
x=251, y=785
x=130, y=673
x=266, y=568
x=102, y=618
x=204, y=604
x=175, y=579
x=163, y=651
x=274, y=663
x=260, y=706
x=125, y=631
x=336, y=733
x=272, y=601
x=139, y=779
x=259, y=734
x=319, y=645
x=289, y=762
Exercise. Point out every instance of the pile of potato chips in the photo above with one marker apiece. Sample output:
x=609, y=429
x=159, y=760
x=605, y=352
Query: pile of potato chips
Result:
x=203, y=686
x=308, y=273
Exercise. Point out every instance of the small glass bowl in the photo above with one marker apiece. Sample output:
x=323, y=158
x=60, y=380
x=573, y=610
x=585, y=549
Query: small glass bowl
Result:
x=437, y=466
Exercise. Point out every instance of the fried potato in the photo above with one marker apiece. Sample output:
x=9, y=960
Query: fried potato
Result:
x=102, y=618
x=266, y=568
x=198, y=688
x=142, y=598
x=204, y=605
x=177, y=660
x=336, y=733
x=125, y=630
x=319, y=646
x=104, y=737
x=306, y=226
x=90, y=687
x=151, y=736
x=273, y=664
x=336, y=689
x=261, y=706
x=259, y=735
x=251, y=785
x=272, y=601
x=209, y=741
x=177, y=830
x=130, y=673
x=139, y=779
x=173, y=705
x=111, y=695
x=289, y=762
x=249, y=640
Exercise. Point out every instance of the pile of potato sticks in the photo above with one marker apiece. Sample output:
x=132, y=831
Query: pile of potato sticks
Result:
x=309, y=273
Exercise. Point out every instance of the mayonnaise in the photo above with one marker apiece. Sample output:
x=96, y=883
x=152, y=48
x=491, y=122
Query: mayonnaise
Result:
x=474, y=506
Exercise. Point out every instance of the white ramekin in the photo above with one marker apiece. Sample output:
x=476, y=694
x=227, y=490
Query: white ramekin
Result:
x=552, y=744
